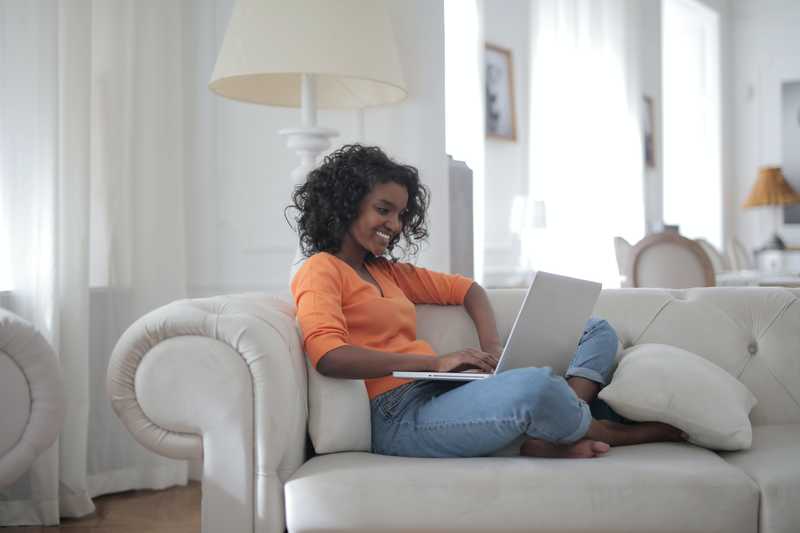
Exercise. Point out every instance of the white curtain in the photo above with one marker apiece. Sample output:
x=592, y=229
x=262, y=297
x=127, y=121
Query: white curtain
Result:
x=692, y=136
x=585, y=140
x=91, y=219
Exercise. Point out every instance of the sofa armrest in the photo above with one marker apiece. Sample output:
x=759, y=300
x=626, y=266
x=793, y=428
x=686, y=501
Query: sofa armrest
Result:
x=32, y=397
x=221, y=378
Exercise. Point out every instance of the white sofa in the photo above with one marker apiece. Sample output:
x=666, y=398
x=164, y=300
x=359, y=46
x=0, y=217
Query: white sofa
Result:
x=225, y=379
x=31, y=396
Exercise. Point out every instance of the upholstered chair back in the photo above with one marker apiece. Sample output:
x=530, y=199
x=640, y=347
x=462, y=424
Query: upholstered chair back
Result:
x=668, y=260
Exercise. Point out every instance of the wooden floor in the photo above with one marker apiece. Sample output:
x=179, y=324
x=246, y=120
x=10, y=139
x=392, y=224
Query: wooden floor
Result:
x=175, y=510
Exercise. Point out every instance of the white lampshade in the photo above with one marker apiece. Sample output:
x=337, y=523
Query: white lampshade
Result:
x=348, y=45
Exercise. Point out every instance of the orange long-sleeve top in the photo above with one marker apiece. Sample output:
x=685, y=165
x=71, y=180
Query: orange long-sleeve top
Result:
x=336, y=307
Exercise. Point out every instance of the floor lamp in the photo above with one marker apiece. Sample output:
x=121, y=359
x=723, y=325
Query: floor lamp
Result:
x=309, y=54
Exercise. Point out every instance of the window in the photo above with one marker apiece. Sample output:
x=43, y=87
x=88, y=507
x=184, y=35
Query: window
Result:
x=585, y=138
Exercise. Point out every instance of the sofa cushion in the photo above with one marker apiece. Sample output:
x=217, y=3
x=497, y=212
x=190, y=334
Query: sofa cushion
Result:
x=658, y=382
x=772, y=463
x=653, y=487
x=338, y=414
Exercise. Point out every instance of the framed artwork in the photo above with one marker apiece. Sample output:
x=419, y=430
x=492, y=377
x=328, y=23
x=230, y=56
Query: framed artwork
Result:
x=500, y=112
x=790, y=143
x=648, y=132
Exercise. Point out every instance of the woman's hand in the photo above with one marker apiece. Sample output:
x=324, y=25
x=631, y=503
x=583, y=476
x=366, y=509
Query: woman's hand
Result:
x=466, y=359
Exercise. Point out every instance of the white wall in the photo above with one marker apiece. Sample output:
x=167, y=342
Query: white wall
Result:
x=506, y=23
x=765, y=42
x=238, y=181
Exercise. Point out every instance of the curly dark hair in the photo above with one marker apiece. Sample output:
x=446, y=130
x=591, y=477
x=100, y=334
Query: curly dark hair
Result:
x=328, y=202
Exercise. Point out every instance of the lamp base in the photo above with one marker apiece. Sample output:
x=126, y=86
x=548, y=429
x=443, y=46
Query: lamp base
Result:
x=308, y=143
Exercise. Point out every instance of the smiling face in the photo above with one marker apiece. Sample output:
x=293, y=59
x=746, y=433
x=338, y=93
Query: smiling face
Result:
x=378, y=222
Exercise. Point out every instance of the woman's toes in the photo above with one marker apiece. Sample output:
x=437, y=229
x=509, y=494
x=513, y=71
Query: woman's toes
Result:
x=587, y=448
x=599, y=447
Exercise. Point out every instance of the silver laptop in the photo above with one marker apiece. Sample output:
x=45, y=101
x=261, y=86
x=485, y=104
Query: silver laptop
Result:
x=546, y=331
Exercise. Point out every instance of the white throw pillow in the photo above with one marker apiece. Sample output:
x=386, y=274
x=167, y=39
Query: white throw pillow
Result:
x=338, y=414
x=662, y=383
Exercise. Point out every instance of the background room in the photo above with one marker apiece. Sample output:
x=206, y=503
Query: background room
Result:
x=589, y=138
x=629, y=118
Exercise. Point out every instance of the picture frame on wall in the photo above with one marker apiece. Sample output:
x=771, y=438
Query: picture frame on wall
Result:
x=499, y=80
x=648, y=132
x=790, y=140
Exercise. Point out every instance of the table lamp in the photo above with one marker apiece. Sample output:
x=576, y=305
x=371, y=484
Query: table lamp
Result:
x=771, y=189
x=309, y=54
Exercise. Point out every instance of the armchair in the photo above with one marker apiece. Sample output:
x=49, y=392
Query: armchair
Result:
x=31, y=396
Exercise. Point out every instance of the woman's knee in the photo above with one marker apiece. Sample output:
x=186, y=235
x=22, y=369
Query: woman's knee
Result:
x=534, y=376
x=535, y=386
x=546, y=407
x=604, y=335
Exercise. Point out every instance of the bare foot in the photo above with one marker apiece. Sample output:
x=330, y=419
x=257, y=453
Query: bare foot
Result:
x=618, y=434
x=583, y=449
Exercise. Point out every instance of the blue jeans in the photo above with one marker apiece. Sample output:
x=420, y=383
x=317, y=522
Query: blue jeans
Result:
x=476, y=418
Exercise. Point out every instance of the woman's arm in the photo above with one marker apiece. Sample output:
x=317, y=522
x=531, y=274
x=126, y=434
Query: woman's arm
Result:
x=353, y=362
x=476, y=302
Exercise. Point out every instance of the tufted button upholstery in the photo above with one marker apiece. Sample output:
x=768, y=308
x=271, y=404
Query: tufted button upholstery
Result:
x=716, y=323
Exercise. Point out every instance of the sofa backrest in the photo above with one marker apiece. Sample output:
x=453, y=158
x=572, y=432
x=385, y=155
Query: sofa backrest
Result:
x=753, y=333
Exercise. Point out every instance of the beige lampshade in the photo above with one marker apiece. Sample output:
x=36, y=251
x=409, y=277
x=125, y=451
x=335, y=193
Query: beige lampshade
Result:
x=771, y=189
x=348, y=44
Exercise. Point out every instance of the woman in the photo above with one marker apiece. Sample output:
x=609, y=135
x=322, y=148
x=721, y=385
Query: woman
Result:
x=355, y=305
